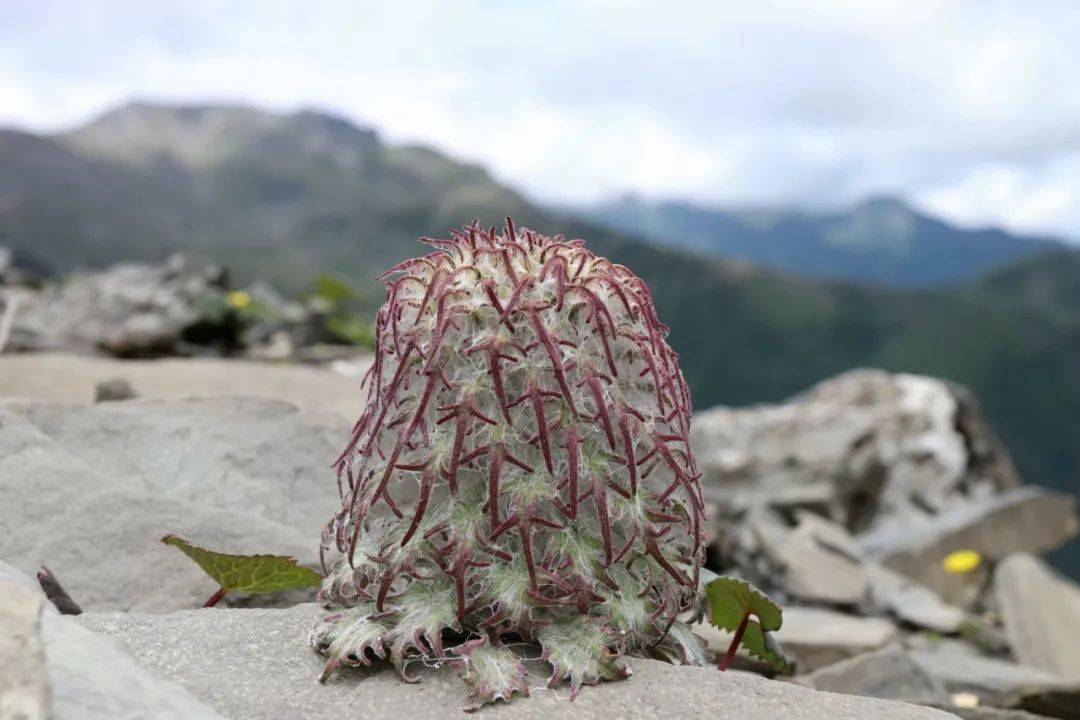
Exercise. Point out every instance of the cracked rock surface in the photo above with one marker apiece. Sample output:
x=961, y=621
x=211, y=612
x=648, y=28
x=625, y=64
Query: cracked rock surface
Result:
x=256, y=665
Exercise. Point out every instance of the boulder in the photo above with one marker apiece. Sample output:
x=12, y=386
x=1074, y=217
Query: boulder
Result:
x=1025, y=519
x=1041, y=614
x=887, y=673
x=257, y=664
x=870, y=468
x=129, y=309
x=861, y=448
x=179, y=307
x=90, y=490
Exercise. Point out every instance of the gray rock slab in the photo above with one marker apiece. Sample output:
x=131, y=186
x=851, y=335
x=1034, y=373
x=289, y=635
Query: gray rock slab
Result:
x=256, y=664
x=73, y=378
x=90, y=490
x=93, y=678
x=819, y=562
x=992, y=680
x=258, y=456
x=110, y=554
x=911, y=602
x=24, y=680
x=85, y=675
x=816, y=637
x=1026, y=519
x=1041, y=614
x=887, y=673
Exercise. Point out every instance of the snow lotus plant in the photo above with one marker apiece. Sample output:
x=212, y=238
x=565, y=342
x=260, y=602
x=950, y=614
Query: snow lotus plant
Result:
x=521, y=468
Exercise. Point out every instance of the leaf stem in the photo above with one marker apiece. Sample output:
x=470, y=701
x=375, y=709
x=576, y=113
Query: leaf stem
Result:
x=216, y=598
x=735, y=641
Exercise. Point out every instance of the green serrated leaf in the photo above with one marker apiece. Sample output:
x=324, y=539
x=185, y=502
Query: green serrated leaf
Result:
x=730, y=599
x=254, y=574
x=731, y=602
x=764, y=646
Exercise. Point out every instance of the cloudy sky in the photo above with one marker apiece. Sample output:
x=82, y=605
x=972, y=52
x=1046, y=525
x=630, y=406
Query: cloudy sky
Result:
x=968, y=109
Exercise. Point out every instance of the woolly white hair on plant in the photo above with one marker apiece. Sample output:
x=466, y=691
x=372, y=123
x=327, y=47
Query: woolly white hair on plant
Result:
x=521, y=467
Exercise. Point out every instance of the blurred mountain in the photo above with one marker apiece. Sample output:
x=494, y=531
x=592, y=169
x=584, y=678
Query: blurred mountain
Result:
x=879, y=240
x=276, y=196
x=286, y=197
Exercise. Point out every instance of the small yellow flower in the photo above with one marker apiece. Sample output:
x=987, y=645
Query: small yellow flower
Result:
x=238, y=299
x=961, y=562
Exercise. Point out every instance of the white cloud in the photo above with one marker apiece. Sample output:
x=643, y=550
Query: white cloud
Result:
x=967, y=108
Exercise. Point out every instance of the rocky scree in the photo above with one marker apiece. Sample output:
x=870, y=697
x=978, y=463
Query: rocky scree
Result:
x=521, y=468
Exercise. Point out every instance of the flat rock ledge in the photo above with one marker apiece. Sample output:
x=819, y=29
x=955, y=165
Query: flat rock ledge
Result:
x=255, y=664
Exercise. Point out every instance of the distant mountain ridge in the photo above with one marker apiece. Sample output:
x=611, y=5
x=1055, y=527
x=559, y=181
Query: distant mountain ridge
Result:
x=281, y=196
x=288, y=196
x=879, y=240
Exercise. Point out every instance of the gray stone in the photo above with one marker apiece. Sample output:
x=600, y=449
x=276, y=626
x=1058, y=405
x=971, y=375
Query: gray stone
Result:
x=815, y=637
x=127, y=309
x=911, y=602
x=1041, y=614
x=1026, y=519
x=992, y=680
x=112, y=390
x=94, y=679
x=818, y=560
x=256, y=664
x=180, y=307
x=12, y=574
x=887, y=673
x=860, y=448
x=90, y=490
x=86, y=676
x=24, y=680
x=110, y=554
x=829, y=535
